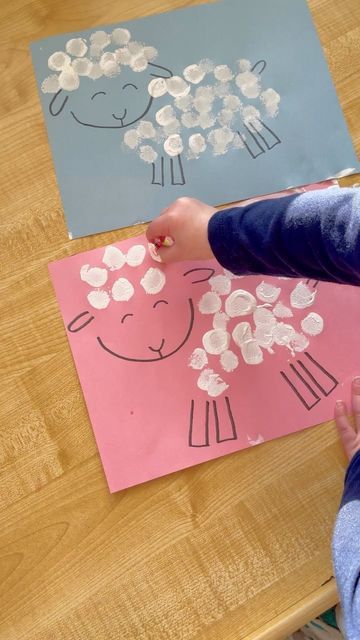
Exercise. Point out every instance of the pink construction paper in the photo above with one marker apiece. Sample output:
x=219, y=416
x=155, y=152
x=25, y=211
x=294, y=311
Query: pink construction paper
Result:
x=149, y=415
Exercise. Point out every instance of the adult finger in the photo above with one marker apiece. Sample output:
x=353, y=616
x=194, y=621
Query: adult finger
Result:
x=346, y=431
x=355, y=401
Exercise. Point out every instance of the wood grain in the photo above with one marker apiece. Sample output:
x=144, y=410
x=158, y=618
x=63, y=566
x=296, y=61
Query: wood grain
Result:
x=237, y=548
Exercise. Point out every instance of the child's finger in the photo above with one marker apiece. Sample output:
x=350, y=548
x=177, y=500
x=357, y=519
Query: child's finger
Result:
x=346, y=431
x=355, y=400
x=158, y=228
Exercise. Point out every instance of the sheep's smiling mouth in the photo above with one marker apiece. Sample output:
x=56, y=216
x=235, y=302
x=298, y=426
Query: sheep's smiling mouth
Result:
x=114, y=126
x=160, y=356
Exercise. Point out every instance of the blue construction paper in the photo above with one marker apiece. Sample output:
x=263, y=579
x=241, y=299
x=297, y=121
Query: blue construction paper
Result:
x=105, y=184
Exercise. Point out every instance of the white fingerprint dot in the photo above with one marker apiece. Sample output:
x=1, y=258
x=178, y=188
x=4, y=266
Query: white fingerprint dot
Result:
x=302, y=296
x=123, y=56
x=240, y=303
x=229, y=361
x=98, y=299
x=264, y=335
x=120, y=36
x=194, y=73
x=212, y=383
x=210, y=302
x=147, y=153
x=299, y=342
x=263, y=316
x=242, y=333
x=282, y=311
x=157, y=87
x=223, y=73
x=177, y=86
x=270, y=99
x=220, y=284
x=153, y=280
x=248, y=84
x=150, y=53
x=267, y=292
x=146, y=129
x=190, y=119
x=82, y=66
x=132, y=138
x=69, y=80
x=100, y=38
x=50, y=84
x=95, y=276
x=197, y=144
x=251, y=352
x=283, y=334
x=198, y=359
x=135, y=256
x=76, y=47
x=139, y=63
x=165, y=115
x=220, y=320
x=220, y=139
x=313, y=324
x=173, y=145
x=122, y=290
x=95, y=72
x=216, y=341
x=113, y=258
x=59, y=61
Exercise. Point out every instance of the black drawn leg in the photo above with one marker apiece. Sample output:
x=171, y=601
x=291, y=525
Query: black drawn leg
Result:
x=312, y=283
x=252, y=145
x=199, y=429
x=158, y=172
x=308, y=379
x=266, y=135
x=177, y=171
x=225, y=428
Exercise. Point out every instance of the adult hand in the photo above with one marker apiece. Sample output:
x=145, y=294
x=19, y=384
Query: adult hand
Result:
x=349, y=434
x=186, y=223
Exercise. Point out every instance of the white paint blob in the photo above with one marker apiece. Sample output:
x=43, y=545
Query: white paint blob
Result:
x=210, y=302
x=122, y=290
x=146, y=129
x=132, y=138
x=244, y=64
x=251, y=352
x=69, y=80
x=263, y=316
x=153, y=281
x=212, y=383
x=177, y=86
x=98, y=299
x=313, y=324
x=283, y=334
x=299, y=342
x=76, y=47
x=82, y=66
x=157, y=87
x=113, y=258
x=248, y=84
x=95, y=276
x=223, y=73
x=100, y=38
x=216, y=341
x=120, y=36
x=173, y=145
x=302, y=296
x=220, y=284
x=270, y=99
x=59, y=61
x=165, y=115
x=197, y=144
x=231, y=102
x=220, y=140
x=220, y=320
x=50, y=84
x=264, y=335
x=229, y=361
x=135, y=256
x=282, y=311
x=194, y=73
x=267, y=292
x=242, y=333
x=147, y=153
x=198, y=359
x=240, y=303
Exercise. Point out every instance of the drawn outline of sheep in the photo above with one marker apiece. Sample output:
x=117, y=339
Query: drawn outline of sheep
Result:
x=266, y=310
x=197, y=116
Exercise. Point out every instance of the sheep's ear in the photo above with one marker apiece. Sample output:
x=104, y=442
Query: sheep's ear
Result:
x=80, y=322
x=202, y=274
x=259, y=66
x=58, y=103
x=159, y=71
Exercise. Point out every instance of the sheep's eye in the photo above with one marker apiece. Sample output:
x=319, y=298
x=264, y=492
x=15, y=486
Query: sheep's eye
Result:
x=125, y=316
x=130, y=84
x=158, y=302
x=98, y=93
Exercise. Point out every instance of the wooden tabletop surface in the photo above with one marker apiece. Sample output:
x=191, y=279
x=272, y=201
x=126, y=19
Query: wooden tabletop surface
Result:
x=237, y=548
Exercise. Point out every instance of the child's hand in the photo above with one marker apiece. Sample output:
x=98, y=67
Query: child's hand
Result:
x=350, y=435
x=186, y=222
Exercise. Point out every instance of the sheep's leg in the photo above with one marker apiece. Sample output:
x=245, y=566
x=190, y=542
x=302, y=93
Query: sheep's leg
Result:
x=198, y=430
x=251, y=143
x=158, y=172
x=310, y=379
x=225, y=427
x=266, y=135
x=180, y=179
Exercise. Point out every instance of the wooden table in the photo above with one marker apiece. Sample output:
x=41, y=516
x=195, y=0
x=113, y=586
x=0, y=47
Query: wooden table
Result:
x=238, y=548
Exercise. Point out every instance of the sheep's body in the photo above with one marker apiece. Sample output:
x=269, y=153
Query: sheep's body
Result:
x=209, y=108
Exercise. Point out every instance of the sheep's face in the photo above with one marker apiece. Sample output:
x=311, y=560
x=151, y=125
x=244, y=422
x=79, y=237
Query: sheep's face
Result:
x=154, y=330
x=109, y=103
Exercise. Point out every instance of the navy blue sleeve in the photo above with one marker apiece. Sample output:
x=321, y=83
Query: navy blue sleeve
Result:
x=314, y=235
x=346, y=550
